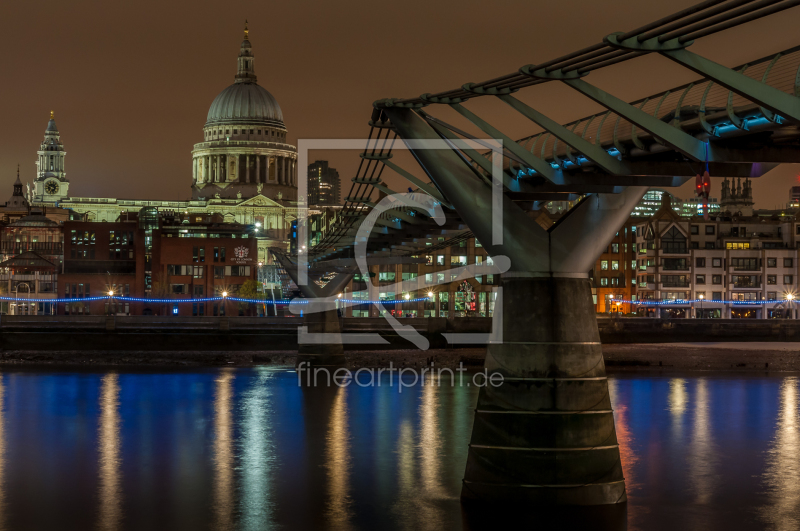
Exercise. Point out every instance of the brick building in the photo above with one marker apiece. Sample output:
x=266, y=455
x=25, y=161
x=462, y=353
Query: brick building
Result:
x=203, y=259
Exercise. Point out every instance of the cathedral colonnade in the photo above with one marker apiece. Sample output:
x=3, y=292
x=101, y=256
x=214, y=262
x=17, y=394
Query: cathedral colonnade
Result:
x=251, y=168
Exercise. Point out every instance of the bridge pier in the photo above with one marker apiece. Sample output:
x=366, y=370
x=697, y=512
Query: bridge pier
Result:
x=320, y=344
x=546, y=435
x=321, y=354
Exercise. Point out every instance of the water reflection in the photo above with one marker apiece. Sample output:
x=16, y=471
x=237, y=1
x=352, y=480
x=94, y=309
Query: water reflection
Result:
x=3, y=507
x=224, y=488
x=110, y=514
x=624, y=436
x=782, y=476
x=702, y=458
x=248, y=449
x=338, y=458
x=677, y=405
x=257, y=454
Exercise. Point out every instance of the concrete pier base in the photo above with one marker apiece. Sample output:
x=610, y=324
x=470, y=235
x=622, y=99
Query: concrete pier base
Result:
x=546, y=435
x=322, y=354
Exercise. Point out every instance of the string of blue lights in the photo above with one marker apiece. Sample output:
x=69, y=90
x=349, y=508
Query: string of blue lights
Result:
x=205, y=299
x=695, y=301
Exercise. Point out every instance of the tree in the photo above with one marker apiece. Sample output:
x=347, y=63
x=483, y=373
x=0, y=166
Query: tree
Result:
x=160, y=287
x=248, y=290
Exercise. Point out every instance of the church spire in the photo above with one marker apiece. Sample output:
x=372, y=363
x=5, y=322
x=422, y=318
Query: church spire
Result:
x=246, y=72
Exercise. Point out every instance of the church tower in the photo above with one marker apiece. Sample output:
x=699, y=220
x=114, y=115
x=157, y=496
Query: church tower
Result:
x=51, y=182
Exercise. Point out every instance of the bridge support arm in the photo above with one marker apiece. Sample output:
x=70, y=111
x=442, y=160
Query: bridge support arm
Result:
x=779, y=102
x=677, y=139
x=593, y=152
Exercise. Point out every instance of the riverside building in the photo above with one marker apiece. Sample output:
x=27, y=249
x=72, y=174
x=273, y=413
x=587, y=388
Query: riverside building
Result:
x=730, y=266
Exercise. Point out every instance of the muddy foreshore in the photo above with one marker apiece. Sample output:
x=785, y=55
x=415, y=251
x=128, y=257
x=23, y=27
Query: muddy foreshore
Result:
x=769, y=356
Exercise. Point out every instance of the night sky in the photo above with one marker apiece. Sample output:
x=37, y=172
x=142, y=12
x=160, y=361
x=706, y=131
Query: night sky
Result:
x=131, y=83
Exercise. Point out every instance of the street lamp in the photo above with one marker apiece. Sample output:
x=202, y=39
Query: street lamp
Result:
x=701, y=297
x=430, y=294
x=111, y=293
x=224, y=293
x=611, y=304
x=406, y=296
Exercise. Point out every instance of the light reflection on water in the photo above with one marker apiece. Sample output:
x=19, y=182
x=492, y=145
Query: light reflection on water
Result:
x=249, y=449
x=108, y=444
x=782, y=474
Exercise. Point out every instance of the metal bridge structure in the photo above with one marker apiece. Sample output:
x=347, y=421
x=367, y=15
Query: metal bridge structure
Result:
x=547, y=434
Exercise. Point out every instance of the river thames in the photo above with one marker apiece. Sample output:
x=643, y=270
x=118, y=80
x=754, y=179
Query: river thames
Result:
x=246, y=448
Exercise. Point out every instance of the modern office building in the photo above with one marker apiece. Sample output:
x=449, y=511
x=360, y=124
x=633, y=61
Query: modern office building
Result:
x=324, y=186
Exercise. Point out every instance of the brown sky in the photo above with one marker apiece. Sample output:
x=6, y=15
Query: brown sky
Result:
x=131, y=82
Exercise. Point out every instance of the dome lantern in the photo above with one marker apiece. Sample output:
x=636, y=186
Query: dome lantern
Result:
x=246, y=72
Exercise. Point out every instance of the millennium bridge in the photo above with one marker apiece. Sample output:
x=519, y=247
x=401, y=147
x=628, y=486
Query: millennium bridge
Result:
x=547, y=435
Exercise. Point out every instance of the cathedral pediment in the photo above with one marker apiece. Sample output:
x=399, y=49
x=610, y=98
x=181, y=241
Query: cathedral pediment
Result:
x=261, y=201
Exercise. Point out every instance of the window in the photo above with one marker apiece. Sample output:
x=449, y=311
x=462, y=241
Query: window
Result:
x=386, y=276
x=604, y=281
x=716, y=262
x=673, y=264
x=604, y=265
x=219, y=271
x=788, y=279
x=716, y=295
x=772, y=279
x=744, y=296
x=797, y=231
x=772, y=295
x=459, y=260
x=614, y=265
x=746, y=281
x=716, y=279
x=744, y=264
x=615, y=248
x=198, y=290
x=198, y=271
x=202, y=254
x=695, y=229
x=440, y=259
x=710, y=245
x=700, y=262
x=737, y=245
x=673, y=241
x=216, y=254
x=700, y=279
x=675, y=281
x=788, y=262
x=237, y=271
x=772, y=262
x=694, y=245
x=178, y=289
x=222, y=254
x=615, y=281
x=194, y=254
x=709, y=229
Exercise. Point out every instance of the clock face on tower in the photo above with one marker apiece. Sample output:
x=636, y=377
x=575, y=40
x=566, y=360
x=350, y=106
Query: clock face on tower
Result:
x=51, y=187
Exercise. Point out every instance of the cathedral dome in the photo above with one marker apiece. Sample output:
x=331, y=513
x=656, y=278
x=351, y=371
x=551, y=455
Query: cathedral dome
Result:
x=245, y=102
